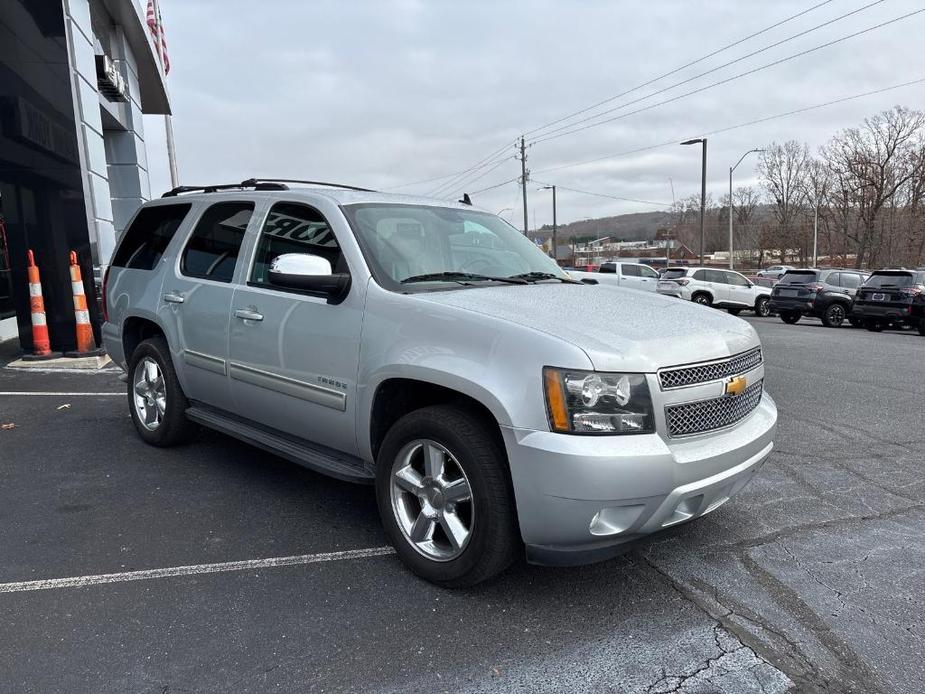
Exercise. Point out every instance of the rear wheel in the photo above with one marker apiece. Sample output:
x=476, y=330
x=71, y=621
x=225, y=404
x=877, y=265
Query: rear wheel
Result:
x=445, y=498
x=763, y=307
x=790, y=317
x=834, y=315
x=702, y=299
x=156, y=400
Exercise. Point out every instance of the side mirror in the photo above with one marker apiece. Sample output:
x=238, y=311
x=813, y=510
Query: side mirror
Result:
x=308, y=273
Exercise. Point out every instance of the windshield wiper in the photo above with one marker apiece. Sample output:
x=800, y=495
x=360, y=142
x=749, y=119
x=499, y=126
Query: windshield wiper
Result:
x=539, y=276
x=460, y=277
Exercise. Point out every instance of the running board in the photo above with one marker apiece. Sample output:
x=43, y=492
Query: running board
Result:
x=321, y=459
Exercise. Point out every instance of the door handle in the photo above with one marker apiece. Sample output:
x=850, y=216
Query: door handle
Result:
x=172, y=298
x=247, y=314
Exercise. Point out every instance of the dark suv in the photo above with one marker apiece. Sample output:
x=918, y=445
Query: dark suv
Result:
x=892, y=298
x=825, y=294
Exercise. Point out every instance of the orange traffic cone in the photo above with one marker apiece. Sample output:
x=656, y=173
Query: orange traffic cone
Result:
x=41, y=345
x=86, y=345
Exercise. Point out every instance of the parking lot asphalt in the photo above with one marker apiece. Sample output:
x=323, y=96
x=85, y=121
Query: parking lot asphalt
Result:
x=810, y=580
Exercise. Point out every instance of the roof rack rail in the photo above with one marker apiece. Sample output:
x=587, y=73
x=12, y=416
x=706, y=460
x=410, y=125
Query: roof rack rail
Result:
x=257, y=181
x=256, y=184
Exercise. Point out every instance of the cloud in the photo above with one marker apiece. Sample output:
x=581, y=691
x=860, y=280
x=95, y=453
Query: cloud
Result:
x=383, y=93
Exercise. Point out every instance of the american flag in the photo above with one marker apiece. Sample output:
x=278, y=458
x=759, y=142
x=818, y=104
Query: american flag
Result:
x=157, y=31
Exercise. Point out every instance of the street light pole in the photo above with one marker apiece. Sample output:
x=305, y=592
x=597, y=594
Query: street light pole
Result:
x=703, y=190
x=555, y=226
x=731, y=169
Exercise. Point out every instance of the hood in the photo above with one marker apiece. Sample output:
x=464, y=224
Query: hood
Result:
x=619, y=329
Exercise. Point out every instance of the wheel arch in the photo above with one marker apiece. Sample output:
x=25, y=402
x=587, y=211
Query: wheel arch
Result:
x=397, y=395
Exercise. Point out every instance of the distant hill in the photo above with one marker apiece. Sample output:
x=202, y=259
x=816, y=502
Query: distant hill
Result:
x=639, y=226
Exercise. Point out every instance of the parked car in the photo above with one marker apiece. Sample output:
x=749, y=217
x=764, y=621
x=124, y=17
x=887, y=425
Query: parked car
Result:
x=620, y=274
x=891, y=298
x=824, y=294
x=432, y=350
x=719, y=288
x=776, y=271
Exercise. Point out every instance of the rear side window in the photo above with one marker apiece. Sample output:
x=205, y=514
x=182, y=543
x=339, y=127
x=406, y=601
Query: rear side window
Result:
x=851, y=280
x=145, y=241
x=717, y=276
x=798, y=277
x=834, y=279
x=629, y=270
x=212, y=250
x=608, y=267
x=678, y=273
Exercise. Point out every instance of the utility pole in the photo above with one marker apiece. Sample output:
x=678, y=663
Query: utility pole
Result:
x=816, y=232
x=703, y=191
x=168, y=124
x=731, y=169
x=524, y=174
x=555, y=226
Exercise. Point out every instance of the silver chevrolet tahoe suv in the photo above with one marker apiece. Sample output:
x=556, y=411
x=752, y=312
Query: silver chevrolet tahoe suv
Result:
x=432, y=350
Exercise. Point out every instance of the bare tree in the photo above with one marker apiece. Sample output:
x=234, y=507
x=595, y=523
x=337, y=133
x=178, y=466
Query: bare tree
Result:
x=871, y=164
x=783, y=168
x=745, y=201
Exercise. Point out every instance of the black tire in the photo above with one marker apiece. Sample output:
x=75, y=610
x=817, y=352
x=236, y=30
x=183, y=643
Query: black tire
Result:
x=921, y=326
x=834, y=315
x=494, y=540
x=873, y=325
x=734, y=311
x=174, y=428
x=763, y=307
x=702, y=298
x=790, y=317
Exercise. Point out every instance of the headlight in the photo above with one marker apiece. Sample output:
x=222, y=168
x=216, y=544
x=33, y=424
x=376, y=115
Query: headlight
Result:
x=587, y=402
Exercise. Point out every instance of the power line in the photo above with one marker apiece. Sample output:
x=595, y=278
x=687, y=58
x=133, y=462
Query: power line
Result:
x=606, y=195
x=486, y=161
x=546, y=135
x=679, y=69
x=462, y=186
x=756, y=121
x=735, y=77
x=422, y=182
x=496, y=185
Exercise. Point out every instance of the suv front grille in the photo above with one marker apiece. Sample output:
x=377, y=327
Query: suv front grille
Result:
x=708, y=415
x=712, y=371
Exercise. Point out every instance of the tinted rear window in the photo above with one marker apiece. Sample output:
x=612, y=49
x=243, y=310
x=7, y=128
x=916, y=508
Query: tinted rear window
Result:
x=145, y=241
x=799, y=277
x=674, y=274
x=898, y=279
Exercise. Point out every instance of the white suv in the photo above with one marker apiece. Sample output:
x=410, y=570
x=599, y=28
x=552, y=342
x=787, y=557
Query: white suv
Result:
x=720, y=288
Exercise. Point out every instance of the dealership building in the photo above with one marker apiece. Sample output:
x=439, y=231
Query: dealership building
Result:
x=75, y=78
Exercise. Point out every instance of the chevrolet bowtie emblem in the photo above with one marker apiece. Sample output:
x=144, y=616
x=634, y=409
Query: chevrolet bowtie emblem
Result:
x=735, y=385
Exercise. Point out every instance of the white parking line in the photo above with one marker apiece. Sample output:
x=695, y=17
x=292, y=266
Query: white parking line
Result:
x=192, y=570
x=25, y=392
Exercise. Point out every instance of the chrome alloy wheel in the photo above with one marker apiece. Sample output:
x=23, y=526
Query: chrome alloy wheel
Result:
x=432, y=500
x=150, y=394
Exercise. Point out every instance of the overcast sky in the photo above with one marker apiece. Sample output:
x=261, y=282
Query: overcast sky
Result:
x=387, y=92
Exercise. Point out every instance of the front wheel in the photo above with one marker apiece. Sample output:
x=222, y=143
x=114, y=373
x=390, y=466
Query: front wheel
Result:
x=763, y=307
x=790, y=317
x=834, y=315
x=445, y=497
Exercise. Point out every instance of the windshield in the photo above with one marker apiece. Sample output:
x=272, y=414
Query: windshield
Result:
x=798, y=277
x=420, y=247
x=674, y=273
x=898, y=279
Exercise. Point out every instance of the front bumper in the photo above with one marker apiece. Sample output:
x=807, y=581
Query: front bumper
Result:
x=583, y=498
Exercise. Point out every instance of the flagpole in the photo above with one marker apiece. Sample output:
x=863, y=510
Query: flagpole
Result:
x=168, y=124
